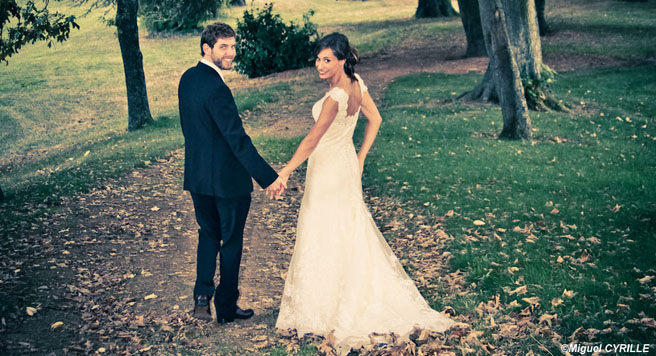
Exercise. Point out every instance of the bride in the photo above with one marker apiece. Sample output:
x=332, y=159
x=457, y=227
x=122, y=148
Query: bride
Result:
x=343, y=278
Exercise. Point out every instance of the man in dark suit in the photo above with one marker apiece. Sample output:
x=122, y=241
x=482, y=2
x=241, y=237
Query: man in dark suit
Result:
x=220, y=160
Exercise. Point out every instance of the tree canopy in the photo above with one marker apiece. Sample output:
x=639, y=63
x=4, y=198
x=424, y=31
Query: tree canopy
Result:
x=29, y=23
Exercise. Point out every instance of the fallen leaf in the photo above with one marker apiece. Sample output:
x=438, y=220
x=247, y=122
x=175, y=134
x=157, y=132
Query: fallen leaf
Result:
x=150, y=296
x=532, y=300
x=56, y=325
x=568, y=293
x=548, y=318
x=519, y=291
x=479, y=222
x=30, y=311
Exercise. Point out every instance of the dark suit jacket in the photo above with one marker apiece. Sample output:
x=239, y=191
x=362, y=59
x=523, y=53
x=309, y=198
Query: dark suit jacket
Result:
x=220, y=158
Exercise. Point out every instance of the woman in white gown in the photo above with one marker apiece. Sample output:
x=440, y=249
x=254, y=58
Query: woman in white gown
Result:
x=343, y=277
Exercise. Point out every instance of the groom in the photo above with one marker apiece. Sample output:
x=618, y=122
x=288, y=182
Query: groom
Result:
x=220, y=160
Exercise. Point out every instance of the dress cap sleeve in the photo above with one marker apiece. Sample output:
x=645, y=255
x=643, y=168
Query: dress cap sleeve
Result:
x=363, y=87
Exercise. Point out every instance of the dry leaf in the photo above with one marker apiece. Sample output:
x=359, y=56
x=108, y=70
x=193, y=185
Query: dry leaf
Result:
x=479, y=222
x=30, y=311
x=548, y=318
x=150, y=296
x=519, y=291
x=568, y=293
x=56, y=325
x=532, y=300
x=556, y=302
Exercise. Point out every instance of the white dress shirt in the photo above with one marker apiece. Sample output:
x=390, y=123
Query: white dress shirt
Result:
x=212, y=65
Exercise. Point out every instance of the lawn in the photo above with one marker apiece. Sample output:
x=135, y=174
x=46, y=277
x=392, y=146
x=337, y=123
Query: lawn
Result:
x=568, y=216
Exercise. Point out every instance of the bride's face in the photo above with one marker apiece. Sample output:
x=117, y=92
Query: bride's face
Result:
x=327, y=64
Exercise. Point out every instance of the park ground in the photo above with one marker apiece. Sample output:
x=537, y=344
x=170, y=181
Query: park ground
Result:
x=528, y=245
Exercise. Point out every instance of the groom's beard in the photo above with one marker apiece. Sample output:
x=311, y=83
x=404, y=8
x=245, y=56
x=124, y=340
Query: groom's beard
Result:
x=220, y=63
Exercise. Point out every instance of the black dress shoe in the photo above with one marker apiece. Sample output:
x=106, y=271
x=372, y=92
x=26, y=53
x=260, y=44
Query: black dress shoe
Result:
x=238, y=314
x=202, y=308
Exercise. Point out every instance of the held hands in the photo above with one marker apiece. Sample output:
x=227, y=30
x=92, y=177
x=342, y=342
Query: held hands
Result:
x=276, y=188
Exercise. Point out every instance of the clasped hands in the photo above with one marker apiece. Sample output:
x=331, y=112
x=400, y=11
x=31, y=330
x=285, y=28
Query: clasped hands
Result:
x=276, y=188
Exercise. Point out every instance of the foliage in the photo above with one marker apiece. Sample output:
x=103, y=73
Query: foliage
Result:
x=176, y=15
x=537, y=90
x=434, y=8
x=267, y=45
x=32, y=24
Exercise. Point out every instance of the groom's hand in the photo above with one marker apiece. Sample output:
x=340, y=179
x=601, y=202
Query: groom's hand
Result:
x=276, y=189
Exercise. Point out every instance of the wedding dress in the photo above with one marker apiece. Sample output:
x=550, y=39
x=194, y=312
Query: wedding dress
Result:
x=343, y=276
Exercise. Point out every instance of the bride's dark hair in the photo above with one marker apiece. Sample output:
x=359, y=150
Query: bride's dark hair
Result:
x=342, y=50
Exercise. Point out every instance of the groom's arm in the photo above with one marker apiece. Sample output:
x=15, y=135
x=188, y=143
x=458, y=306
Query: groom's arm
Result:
x=223, y=110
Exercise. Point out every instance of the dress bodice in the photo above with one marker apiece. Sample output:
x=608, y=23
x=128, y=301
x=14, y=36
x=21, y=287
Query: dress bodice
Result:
x=341, y=129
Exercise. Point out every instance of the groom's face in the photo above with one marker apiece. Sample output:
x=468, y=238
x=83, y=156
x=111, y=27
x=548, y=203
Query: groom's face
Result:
x=223, y=52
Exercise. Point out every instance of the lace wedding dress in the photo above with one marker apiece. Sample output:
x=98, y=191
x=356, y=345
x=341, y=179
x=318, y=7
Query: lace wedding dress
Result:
x=343, y=276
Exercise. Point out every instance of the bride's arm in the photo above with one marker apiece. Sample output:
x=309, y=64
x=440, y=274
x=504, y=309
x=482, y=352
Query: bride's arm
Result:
x=310, y=142
x=374, y=120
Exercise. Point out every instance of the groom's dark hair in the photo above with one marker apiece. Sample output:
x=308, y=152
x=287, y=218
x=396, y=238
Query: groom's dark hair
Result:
x=213, y=32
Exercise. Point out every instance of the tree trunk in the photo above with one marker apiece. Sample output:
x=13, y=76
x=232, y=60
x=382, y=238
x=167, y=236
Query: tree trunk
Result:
x=516, y=122
x=135, y=80
x=542, y=22
x=471, y=21
x=524, y=41
x=434, y=8
x=2, y=195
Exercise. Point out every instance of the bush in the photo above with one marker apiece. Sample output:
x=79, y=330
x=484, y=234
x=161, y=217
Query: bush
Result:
x=267, y=45
x=176, y=15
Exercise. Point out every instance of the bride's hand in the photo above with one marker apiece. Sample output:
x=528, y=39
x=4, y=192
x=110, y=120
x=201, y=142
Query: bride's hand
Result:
x=361, y=162
x=284, y=176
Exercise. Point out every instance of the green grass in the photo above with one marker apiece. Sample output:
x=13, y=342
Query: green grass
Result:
x=609, y=28
x=443, y=154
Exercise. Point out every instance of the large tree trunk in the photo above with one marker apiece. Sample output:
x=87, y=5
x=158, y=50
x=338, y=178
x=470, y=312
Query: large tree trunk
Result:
x=516, y=122
x=471, y=21
x=434, y=8
x=524, y=41
x=542, y=21
x=135, y=80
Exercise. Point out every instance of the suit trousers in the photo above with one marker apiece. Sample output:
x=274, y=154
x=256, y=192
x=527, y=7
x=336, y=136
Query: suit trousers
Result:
x=221, y=233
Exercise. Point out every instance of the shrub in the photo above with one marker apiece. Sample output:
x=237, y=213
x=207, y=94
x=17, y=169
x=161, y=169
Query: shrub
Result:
x=267, y=45
x=176, y=15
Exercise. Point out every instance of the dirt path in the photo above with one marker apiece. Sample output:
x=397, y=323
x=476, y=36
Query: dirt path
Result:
x=116, y=266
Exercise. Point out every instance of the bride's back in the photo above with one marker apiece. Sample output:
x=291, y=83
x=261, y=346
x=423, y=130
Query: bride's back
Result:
x=354, y=98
